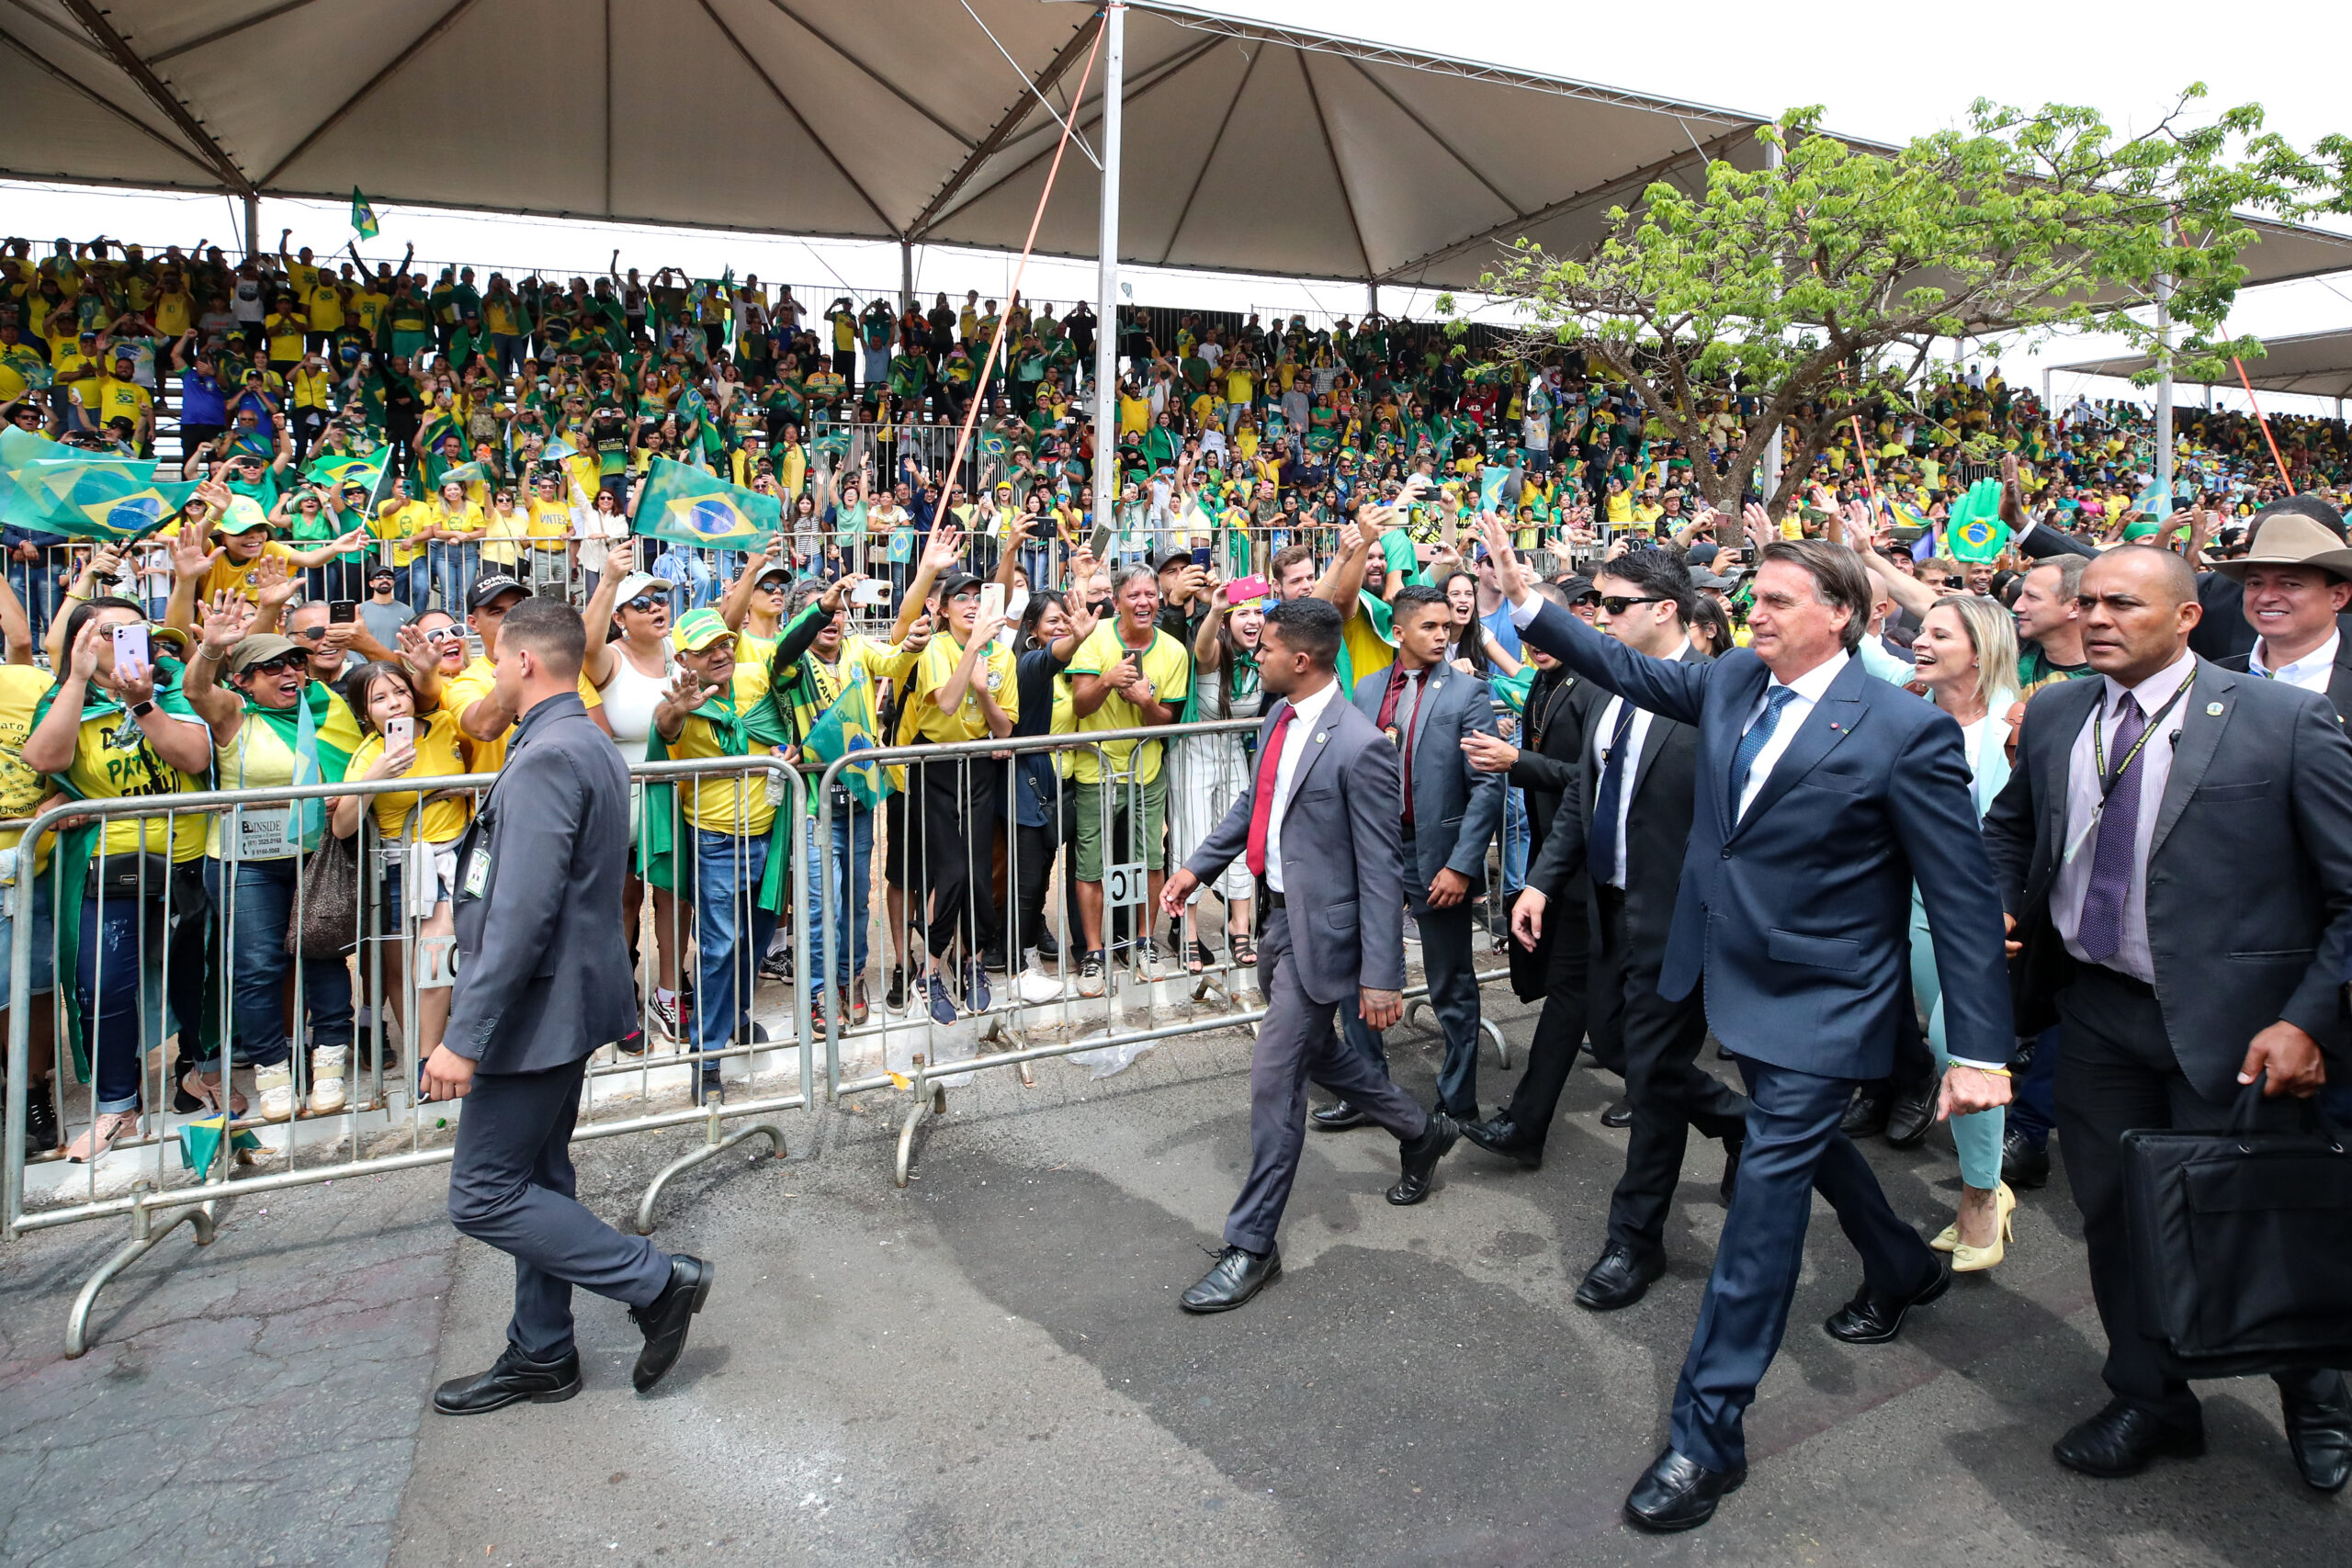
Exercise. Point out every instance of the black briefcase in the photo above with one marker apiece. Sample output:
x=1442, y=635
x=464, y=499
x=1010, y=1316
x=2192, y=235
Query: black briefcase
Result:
x=2242, y=1243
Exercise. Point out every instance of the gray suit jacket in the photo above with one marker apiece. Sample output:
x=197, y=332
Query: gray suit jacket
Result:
x=1343, y=867
x=2249, y=882
x=1456, y=808
x=543, y=975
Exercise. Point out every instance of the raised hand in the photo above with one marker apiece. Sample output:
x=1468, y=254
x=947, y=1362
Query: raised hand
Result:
x=225, y=620
x=273, y=582
x=421, y=656
x=192, y=552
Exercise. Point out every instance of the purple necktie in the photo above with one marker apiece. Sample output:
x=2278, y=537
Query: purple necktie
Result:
x=2100, y=930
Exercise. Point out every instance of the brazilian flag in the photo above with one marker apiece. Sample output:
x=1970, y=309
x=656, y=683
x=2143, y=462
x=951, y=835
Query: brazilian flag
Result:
x=337, y=469
x=363, y=216
x=686, y=506
x=1974, y=528
x=92, y=499
x=847, y=726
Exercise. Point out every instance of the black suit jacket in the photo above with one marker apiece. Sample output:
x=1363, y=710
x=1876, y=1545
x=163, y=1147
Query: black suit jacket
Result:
x=2249, y=884
x=1551, y=746
x=2339, y=684
x=1657, y=825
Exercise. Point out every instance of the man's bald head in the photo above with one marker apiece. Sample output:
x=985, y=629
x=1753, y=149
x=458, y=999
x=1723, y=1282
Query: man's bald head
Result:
x=2138, y=606
x=2153, y=571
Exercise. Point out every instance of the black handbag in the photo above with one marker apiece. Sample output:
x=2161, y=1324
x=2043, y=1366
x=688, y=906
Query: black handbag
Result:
x=2242, y=1243
x=329, y=923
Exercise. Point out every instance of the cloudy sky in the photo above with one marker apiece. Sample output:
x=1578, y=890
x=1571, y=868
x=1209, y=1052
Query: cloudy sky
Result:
x=1884, y=74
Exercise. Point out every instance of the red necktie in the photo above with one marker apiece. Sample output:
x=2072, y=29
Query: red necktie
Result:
x=1261, y=807
x=1388, y=708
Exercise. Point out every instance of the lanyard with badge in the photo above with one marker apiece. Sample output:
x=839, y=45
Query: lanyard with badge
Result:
x=2107, y=781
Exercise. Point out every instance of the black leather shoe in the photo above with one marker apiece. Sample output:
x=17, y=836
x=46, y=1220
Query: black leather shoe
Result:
x=1618, y=1113
x=2024, y=1163
x=1338, y=1118
x=1420, y=1156
x=2120, y=1441
x=1912, y=1114
x=666, y=1321
x=1869, y=1111
x=1679, y=1494
x=1237, y=1275
x=1873, y=1318
x=2320, y=1433
x=1730, y=1184
x=1620, y=1279
x=1502, y=1136
x=512, y=1378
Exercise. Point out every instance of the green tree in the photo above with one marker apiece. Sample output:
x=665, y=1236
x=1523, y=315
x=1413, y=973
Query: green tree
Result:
x=1821, y=283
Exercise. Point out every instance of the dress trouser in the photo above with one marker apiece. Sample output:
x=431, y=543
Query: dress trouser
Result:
x=1452, y=975
x=511, y=1184
x=1793, y=1150
x=2119, y=1072
x=1658, y=1041
x=1295, y=1042
x=1560, y=1027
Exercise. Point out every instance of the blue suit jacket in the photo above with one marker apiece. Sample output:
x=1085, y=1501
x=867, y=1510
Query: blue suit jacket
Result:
x=1456, y=808
x=1799, y=914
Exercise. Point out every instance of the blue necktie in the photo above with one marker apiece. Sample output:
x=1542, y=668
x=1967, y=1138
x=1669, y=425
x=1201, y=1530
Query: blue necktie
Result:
x=1751, y=745
x=1600, y=839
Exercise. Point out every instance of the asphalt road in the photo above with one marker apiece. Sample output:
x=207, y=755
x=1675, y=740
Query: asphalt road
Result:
x=989, y=1367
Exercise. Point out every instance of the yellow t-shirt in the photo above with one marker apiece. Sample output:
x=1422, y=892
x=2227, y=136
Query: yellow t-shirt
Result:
x=1165, y=665
x=503, y=544
x=400, y=525
x=439, y=754
x=231, y=576
x=469, y=686
x=284, y=334
x=729, y=803
x=115, y=400
x=101, y=771
x=326, y=309
x=1368, y=651
x=308, y=388
x=919, y=718
x=21, y=789
x=551, y=524
x=174, y=314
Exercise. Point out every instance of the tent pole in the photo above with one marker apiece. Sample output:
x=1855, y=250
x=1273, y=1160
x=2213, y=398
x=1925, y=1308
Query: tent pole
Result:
x=252, y=225
x=1771, y=484
x=2164, y=387
x=906, y=275
x=1371, y=298
x=1106, y=309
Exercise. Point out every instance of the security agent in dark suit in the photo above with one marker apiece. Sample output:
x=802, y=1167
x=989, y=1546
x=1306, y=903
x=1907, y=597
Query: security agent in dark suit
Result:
x=1318, y=827
x=543, y=980
x=2176, y=850
x=1451, y=809
x=1804, y=956
x=1554, y=971
x=1632, y=800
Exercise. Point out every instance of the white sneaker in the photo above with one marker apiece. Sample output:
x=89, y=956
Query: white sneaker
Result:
x=327, y=1064
x=275, y=1089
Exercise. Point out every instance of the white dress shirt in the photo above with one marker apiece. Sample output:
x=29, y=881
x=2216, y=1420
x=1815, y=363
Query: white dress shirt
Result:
x=2311, y=672
x=1809, y=688
x=1307, y=713
x=2154, y=770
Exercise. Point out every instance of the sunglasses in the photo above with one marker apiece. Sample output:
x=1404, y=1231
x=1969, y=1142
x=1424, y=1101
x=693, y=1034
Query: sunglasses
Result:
x=644, y=603
x=442, y=634
x=1617, y=604
x=280, y=665
x=312, y=634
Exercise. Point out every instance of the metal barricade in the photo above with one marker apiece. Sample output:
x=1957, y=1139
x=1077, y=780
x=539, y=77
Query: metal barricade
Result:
x=913, y=1060
x=176, y=974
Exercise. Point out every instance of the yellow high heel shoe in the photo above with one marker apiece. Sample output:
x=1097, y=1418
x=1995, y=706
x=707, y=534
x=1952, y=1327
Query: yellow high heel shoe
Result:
x=1967, y=1260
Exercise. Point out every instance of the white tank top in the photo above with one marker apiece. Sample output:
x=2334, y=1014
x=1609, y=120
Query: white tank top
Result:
x=630, y=698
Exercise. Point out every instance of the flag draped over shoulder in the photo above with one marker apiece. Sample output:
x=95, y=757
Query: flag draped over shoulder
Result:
x=47, y=487
x=363, y=216
x=322, y=735
x=686, y=506
x=1974, y=529
x=657, y=846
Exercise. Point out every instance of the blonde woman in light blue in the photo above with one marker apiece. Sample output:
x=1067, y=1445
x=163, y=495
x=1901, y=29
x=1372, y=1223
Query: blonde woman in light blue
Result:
x=1966, y=650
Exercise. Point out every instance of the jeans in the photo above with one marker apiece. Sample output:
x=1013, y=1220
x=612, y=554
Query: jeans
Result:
x=849, y=870
x=1516, y=834
x=120, y=970
x=455, y=567
x=30, y=582
x=420, y=583
x=260, y=904
x=732, y=935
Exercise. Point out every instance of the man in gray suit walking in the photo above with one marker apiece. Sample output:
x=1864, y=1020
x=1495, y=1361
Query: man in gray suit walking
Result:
x=1319, y=826
x=543, y=980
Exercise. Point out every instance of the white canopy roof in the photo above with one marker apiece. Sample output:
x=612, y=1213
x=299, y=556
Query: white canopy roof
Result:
x=2316, y=365
x=1249, y=147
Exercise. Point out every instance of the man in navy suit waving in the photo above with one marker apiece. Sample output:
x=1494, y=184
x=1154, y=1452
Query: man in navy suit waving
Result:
x=1821, y=795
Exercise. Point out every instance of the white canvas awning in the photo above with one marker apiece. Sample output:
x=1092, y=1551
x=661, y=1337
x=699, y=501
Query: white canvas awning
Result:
x=1249, y=147
x=2316, y=365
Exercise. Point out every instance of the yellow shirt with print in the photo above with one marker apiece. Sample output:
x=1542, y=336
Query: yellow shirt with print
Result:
x=285, y=335
x=21, y=789
x=326, y=308
x=1166, y=666
x=228, y=575
x=401, y=522
x=921, y=718
x=440, y=753
x=110, y=400
x=729, y=803
x=103, y=770
x=469, y=686
x=551, y=524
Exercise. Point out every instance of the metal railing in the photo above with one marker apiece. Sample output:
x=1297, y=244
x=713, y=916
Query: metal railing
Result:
x=385, y=1127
